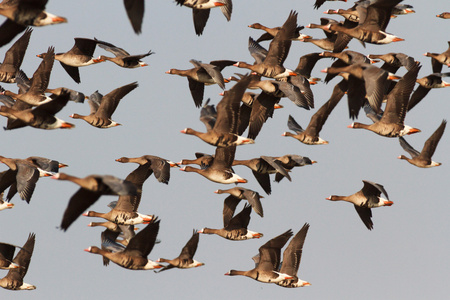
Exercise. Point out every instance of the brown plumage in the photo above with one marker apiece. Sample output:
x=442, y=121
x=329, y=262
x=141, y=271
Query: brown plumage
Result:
x=91, y=188
x=423, y=159
x=103, y=109
x=272, y=65
x=269, y=261
x=14, y=279
x=365, y=199
x=134, y=257
x=186, y=258
x=223, y=134
x=391, y=123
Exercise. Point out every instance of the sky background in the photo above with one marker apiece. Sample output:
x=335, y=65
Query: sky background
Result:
x=405, y=256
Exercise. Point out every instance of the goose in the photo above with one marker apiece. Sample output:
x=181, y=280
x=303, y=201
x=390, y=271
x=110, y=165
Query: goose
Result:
x=372, y=24
x=391, y=123
x=310, y=135
x=444, y=15
x=292, y=256
x=123, y=58
x=186, y=258
x=393, y=61
x=14, y=57
x=365, y=199
x=46, y=167
x=288, y=162
x=327, y=43
x=36, y=93
x=272, y=32
x=239, y=193
x=157, y=165
x=134, y=256
x=223, y=134
x=22, y=176
x=14, y=279
x=375, y=80
x=202, y=74
x=22, y=13
x=272, y=65
x=125, y=211
x=91, y=188
x=235, y=228
x=423, y=159
x=439, y=59
x=42, y=116
x=79, y=56
x=270, y=255
x=432, y=81
x=261, y=168
x=103, y=108
x=220, y=170
x=201, y=10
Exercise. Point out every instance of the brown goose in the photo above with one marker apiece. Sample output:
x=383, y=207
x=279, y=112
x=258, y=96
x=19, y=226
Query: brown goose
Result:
x=444, y=15
x=201, y=10
x=423, y=159
x=220, y=170
x=157, y=165
x=22, y=176
x=203, y=74
x=36, y=93
x=42, y=116
x=327, y=43
x=310, y=135
x=103, y=108
x=272, y=32
x=439, y=59
x=223, y=134
x=91, y=188
x=393, y=61
x=372, y=23
x=292, y=256
x=14, y=279
x=269, y=262
x=432, y=81
x=79, y=56
x=391, y=123
x=365, y=199
x=45, y=166
x=22, y=13
x=272, y=65
x=261, y=168
x=134, y=257
x=186, y=258
x=235, y=228
x=375, y=80
x=14, y=57
x=123, y=58
x=239, y=193
x=125, y=211
x=288, y=162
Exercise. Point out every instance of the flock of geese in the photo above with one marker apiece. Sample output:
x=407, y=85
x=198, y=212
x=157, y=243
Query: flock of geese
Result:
x=367, y=87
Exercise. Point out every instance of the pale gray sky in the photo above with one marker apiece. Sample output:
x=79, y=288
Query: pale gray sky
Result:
x=404, y=257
